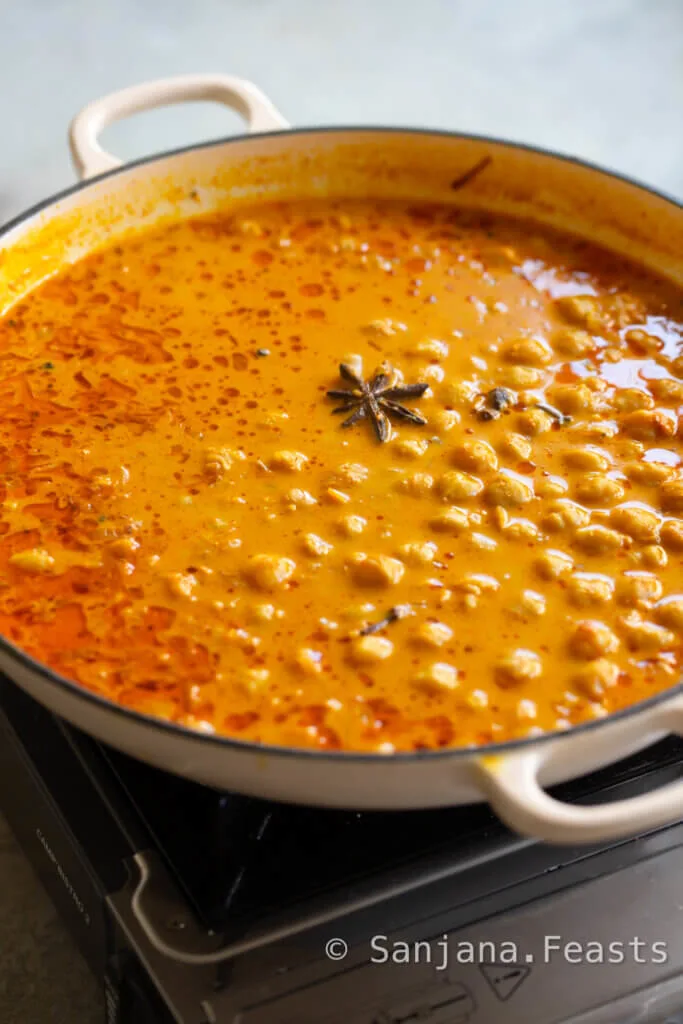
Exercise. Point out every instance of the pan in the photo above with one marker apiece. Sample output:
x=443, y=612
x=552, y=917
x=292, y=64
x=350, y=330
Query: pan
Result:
x=271, y=160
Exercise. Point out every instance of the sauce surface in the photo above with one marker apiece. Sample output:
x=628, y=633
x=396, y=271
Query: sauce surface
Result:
x=188, y=529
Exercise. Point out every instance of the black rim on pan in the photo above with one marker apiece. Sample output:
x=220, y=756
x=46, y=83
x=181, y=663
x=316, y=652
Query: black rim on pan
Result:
x=149, y=721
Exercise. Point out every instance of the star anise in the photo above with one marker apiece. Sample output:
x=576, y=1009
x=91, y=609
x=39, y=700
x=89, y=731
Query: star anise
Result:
x=375, y=399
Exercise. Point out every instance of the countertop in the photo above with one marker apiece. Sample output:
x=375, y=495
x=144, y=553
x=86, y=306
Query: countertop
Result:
x=602, y=79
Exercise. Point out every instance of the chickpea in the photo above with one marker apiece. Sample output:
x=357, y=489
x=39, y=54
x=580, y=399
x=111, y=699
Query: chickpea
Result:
x=553, y=565
x=33, y=560
x=666, y=391
x=552, y=522
x=671, y=535
x=217, y=461
x=572, y=398
x=478, y=583
x=432, y=374
x=531, y=604
x=648, y=474
x=635, y=522
x=632, y=400
x=458, y=486
x=453, y=520
x=419, y=552
x=351, y=526
x=526, y=352
x=669, y=613
x=253, y=680
x=515, y=445
x=477, y=699
x=596, y=384
x=354, y=361
x=596, y=431
x=565, y=515
x=520, y=377
x=377, y=571
x=432, y=348
x=124, y=547
x=629, y=449
x=586, y=589
x=263, y=612
x=671, y=495
x=644, y=637
x=297, y=496
x=595, y=710
x=352, y=473
x=533, y=422
x=573, y=342
x=581, y=310
x=642, y=343
x=315, y=545
x=181, y=584
x=648, y=425
x=508, y=491
x=416, y=484
x=445, y=419
x=654, y=556
x=481, y=542
x=411, y=449
x=526, y=710
x=459, y=394
x=612, y=354
x=500, y=517
x=596, y=489
x=551, y=486
x=592, y=460
x=267, y=571
x=384, y=327
x=436, y=678
x=598, y=540
x=516, y=667
x=288, y=462
x=595, y=679
x=477, y=456
x=251, y=227
x=521, y=529
x=638, y=589
x=433, y=634
x=592, y=639
x=368, y=650
x=309, y=661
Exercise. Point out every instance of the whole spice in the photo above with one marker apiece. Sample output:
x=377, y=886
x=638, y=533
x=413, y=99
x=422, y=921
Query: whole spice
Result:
x=561, y=418
x=399, y=611
x=376, y=399
x=468, y=176
x=494, y=402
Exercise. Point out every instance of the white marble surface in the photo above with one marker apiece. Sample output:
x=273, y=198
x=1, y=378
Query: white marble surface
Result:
x=602, y=79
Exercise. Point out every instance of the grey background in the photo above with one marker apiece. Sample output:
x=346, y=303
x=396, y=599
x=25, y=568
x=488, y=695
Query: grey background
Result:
x=602, y=79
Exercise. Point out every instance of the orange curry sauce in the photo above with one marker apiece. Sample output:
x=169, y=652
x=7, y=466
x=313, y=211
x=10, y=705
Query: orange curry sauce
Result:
x=188, y=529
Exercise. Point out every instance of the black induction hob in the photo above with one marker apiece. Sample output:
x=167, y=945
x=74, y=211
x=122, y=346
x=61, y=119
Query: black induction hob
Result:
x=277, y=883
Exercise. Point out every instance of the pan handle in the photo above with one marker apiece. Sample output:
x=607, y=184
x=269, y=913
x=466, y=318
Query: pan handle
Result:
x=512, y=785
x=240, y=95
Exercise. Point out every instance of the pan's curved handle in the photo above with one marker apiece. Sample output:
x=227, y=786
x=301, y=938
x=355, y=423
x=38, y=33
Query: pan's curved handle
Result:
x=512, y=786
x=90, y=159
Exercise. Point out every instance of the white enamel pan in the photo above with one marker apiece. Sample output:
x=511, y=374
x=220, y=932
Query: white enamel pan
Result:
x=273, y=161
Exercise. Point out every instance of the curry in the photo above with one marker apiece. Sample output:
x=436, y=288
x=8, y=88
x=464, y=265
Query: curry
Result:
x=348, y=475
